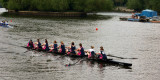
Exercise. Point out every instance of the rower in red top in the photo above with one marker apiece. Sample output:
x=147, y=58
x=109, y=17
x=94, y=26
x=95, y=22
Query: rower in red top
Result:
x=62, y=48
x=81, y=50
x=45, y=45
x=39, y=46
x=55, y=47
x=91, y=52
x=102, y=54
x=72, y=49
x=30, y=44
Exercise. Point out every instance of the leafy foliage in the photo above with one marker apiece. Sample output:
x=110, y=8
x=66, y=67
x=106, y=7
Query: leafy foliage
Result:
x=4, y=3
x=139, y=5
x=155, y=5
x=120, y=2
x=59, y=5
x=135, y=4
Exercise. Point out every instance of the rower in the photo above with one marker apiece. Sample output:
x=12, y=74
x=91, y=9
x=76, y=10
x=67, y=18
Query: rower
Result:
x=81, y=50
x=55, y=47
x=91, y=52
x=1, y=22
x=39, y=46
x=62, y=48
x=102, y=54
x=30, y=44
x=72, y=49
x=6, y=23
x=45, y=45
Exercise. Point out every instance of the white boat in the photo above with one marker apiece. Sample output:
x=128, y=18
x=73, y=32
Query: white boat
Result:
x=2, y=10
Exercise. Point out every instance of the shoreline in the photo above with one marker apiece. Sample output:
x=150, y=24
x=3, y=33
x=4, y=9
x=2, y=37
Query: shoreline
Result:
x=50, y=14
x=123, y=9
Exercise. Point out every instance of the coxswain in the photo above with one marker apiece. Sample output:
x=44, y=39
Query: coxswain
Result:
x=62, y=48
x=72, y=49
x=30, y=44
x=91, y=52
x=39, y=46
x=45, y=45
x=101, y=54
x=80, y=50
x=55, y=47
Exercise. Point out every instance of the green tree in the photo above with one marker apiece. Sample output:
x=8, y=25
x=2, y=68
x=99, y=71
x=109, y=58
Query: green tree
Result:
x=139, y=5
x=4, y=3
x=25, y=4
x=119, y=2
x=155, y=5
x=135, y=4
x=59, y=5
x=98, y=5
x=79, y=5
x=14, y=4
x=93, y=5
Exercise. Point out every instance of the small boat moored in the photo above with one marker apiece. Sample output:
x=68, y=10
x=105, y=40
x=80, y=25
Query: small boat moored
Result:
x=155, y=21
x=146, y=16
x=131, y=19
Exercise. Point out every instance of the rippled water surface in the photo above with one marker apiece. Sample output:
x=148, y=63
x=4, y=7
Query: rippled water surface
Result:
x=119, y=38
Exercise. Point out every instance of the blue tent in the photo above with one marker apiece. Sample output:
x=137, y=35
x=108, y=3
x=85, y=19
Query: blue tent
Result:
x=148, y=13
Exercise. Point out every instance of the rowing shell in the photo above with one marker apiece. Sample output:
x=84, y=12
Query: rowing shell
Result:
x=5, y=25
x=110, y=61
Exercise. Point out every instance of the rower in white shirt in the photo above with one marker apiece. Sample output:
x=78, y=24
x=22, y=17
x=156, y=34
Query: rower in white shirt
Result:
x=91, y=52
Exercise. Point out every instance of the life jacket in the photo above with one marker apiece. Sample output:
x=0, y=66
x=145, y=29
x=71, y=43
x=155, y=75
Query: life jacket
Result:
x=100, y=56
x=73, y=49
x=46, y=47
x=30, y=45
x=55, y=47
x=103, y=55
x=81, y=52
x=63, y=50
x=39, y=45
x=91, y=54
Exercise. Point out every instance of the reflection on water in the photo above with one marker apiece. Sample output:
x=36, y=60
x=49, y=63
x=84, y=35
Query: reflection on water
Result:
x=119, y=38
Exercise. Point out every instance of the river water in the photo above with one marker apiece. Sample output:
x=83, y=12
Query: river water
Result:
x=119, y=38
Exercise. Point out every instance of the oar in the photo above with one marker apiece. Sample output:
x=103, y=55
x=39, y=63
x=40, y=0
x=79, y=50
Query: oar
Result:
x=62, y=56
x=75, y=62
x=26, y=51
x=120, y=57
x=13, y=25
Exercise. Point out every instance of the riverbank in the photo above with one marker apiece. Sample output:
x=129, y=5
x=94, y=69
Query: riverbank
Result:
x=123, y=9
x=50, y=14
